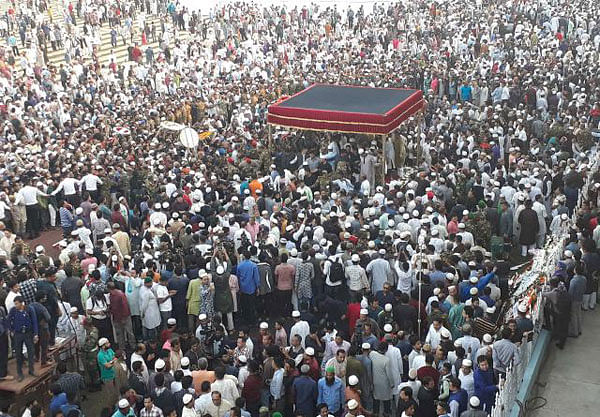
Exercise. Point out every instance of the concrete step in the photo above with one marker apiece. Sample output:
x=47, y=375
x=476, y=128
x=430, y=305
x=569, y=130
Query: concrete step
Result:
x=104, y=49
x=120, y=52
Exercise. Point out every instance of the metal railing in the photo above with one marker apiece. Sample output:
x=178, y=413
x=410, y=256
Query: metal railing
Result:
x=509, y=386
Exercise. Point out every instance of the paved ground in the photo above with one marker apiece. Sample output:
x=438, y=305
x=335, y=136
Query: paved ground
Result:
x=94, y=403
x=48, y=239
x=570, y=379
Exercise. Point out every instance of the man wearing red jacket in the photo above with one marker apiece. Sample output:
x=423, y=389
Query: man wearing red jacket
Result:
x=121, y=317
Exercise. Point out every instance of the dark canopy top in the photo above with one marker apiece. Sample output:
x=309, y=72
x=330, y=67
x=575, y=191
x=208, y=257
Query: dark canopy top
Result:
x=347, y=108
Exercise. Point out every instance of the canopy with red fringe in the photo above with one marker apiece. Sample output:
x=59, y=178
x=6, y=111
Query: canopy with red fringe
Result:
x=341, y=108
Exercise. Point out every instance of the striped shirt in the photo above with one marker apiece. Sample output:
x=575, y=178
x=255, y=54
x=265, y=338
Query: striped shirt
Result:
x=482, y=326
x=503, y=353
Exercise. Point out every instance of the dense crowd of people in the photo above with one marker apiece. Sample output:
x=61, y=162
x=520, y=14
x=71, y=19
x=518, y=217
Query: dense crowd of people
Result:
x=290, y=277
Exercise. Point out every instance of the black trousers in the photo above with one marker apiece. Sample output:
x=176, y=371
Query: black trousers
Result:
x=284, y=302
x=41, y=348
x=95, y=195
x=27, y=339
x=136, y=324
x=104, y=327
x=248, y=307
x=33, y=225
x=52, y=329
x=180, y=314
x=3, y=354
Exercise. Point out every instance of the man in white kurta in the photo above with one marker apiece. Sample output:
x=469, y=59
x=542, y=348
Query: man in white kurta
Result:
x=149, y=309
x=300, y=327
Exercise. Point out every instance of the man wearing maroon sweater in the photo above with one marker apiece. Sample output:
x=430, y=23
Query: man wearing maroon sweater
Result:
x=252, y=388
x=428, y=370
x=121, y=317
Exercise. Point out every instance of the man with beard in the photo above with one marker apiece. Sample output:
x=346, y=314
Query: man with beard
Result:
x=331, y=392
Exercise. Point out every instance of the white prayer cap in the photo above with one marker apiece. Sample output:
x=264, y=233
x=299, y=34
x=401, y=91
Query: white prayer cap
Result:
x=352, y=404
x=159, y=364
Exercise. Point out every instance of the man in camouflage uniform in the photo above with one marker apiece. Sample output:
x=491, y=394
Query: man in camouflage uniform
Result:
x=399, y=141
x=386, y=317
x=480, y=227
x=90, y=354
x=324, y=181
x=264, y=159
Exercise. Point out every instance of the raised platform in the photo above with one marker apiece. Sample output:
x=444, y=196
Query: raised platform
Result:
x=18, y=394
x=19, y=388
x=343, y=108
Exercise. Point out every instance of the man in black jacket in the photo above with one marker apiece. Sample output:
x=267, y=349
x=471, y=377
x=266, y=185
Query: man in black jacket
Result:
x=162, y=396
x=426, y=397
x=43, y=319
x=136, y=379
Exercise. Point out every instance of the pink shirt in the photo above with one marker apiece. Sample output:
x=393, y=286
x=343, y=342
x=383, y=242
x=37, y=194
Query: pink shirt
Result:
x=452, y=227
x=85, y=264
x=253, y=230
x=284, y=276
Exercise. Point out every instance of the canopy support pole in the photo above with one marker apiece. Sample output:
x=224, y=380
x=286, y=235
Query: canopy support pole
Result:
x=383, y=167
x=270, y=136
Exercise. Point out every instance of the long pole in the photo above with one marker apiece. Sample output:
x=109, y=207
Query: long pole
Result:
x=383, y=167
x=420, y=281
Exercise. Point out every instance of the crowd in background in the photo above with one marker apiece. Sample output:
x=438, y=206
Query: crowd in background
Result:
x=290, y=276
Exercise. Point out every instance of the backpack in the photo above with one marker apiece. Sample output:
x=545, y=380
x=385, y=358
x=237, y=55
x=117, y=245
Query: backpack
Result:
x=336, y=271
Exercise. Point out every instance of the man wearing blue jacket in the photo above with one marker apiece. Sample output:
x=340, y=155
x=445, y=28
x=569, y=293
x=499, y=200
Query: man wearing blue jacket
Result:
x=485, y=388
x=474, y=282
x=249, y=281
